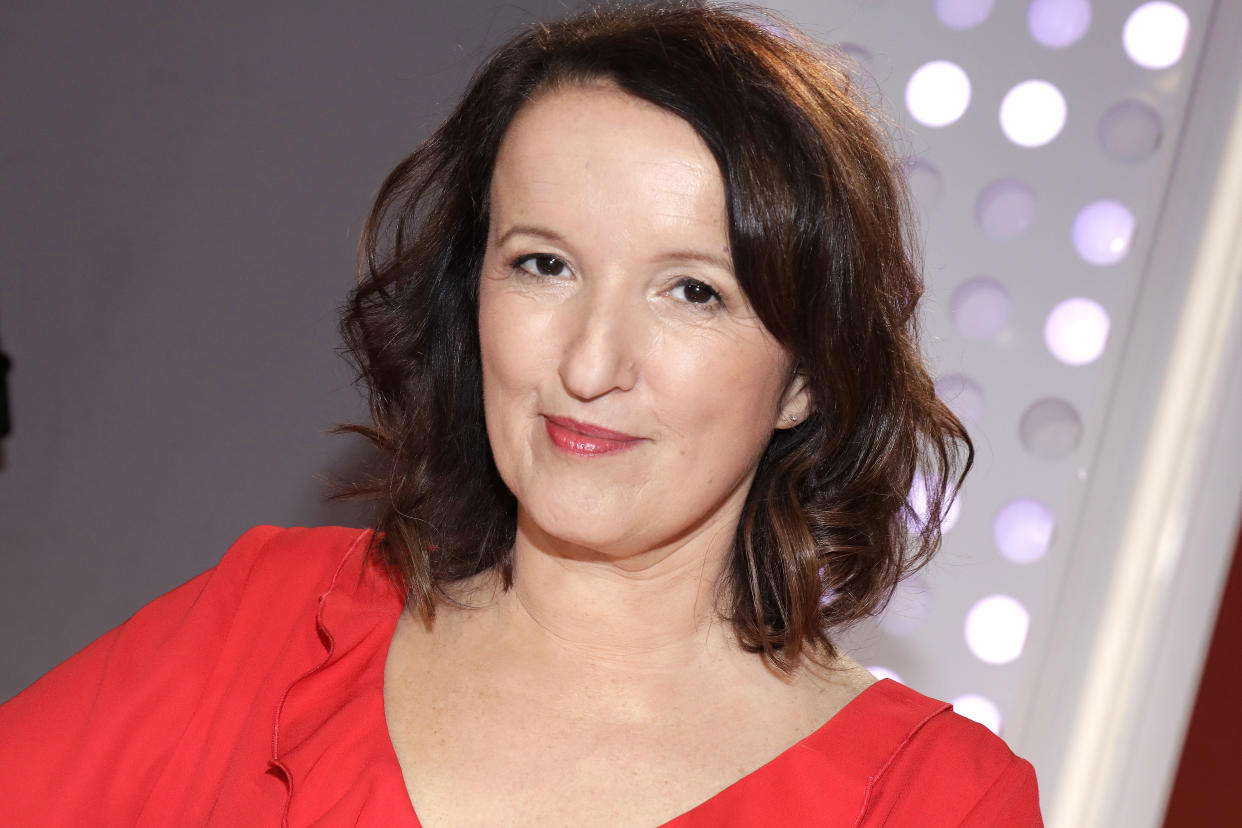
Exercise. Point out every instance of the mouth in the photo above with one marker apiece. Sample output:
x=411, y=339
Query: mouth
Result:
x=584, y=439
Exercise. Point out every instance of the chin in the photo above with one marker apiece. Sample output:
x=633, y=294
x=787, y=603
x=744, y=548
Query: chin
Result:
x=590, y=531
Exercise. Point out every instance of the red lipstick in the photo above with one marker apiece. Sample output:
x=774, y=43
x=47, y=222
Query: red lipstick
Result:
x=584, y=439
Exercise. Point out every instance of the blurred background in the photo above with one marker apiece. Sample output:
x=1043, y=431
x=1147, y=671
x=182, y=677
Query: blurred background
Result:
x=183, y=188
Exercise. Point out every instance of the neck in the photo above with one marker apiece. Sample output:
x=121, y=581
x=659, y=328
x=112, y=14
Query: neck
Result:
x=654, y=609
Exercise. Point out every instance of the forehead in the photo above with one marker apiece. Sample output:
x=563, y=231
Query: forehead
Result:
x=594, y=147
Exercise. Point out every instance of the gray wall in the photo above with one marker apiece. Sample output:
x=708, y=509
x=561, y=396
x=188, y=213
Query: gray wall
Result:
x=182, y=190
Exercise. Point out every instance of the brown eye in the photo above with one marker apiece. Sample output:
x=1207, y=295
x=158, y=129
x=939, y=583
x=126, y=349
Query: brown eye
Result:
x=695, y=292
x=542, y=264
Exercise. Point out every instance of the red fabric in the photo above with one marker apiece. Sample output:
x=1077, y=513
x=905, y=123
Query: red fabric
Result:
x=253, y=696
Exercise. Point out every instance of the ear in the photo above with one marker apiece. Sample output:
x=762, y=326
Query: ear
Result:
x=795, y=403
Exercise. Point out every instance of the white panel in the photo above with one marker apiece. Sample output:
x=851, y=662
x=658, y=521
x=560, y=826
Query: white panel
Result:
x=1127, y=129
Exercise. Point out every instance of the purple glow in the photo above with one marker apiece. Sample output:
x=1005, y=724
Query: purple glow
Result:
x=884, y=673
x=980, y=308
x=1058, y=23
x=1050, y=428
x=917, y=507
x=1022, y=530
x=1102, y=232
x=1032, y=113
x=1076, y=331
x=963, y=14
x=996, y=629
x=979, y=708
x=938, y=93
x=926, y=183
x=1155, y=34
x=1130, y=131
x=909, y=608
x=1005, y=209
x=963, y=396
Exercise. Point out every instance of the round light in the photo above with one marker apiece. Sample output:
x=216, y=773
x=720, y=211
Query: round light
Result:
x=859, y=65
x=882, y=673
x=926, y=183
x=1076, y=331
x=1102, y=232
x=963, y=396
x=1058, y=23
x=1032, y=113
x=979, y=308
x=963, y=14
x=1005, y=209
x=938, y=93
x=1155, y=34
x=1050, y=428
x=996, y=629
x=1022, y=530
x=917, y=507
x=908, y=609
x=1130, y=131
x=979, y=708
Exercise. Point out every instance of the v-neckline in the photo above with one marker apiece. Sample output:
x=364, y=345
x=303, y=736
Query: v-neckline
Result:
x=821, y=733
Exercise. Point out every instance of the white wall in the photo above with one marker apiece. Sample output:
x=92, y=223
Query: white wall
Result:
x=182, y=189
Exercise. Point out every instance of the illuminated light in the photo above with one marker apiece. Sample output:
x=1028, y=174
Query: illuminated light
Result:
x=996, y=629
x=925, y=181
x=1058, y=23
x=1005, y=209
x=1022, y=530
x=963, y=14
x=963, y=396
x=979, y=308
x=916, y=507
x=1032, y=113
x=909, y=608
x=857, y=55
x=1050, y=428
x=979, y=708
x=882, y=673
x=1130, y=131
x=1102, y=232
x=1076, y=331
x=1155, y=34
x=859, y=65
x=938, y=93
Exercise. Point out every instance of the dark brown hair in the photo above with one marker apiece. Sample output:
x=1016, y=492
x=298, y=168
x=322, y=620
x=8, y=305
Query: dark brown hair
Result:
x=817, y=229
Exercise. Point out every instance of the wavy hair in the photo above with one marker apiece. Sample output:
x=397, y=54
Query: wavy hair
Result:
x=818, y=230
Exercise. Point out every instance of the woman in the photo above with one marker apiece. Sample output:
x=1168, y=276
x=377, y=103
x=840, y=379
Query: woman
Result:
x=638, y=327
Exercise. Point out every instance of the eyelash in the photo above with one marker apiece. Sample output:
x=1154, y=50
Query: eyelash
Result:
x=714, y=296
x=521, y=262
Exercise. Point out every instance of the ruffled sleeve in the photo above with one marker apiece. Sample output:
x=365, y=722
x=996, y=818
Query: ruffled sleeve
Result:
x=172, y=717
x=92, y=737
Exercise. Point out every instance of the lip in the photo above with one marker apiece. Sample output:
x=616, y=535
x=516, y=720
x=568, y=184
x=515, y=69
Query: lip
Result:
x=584, y=439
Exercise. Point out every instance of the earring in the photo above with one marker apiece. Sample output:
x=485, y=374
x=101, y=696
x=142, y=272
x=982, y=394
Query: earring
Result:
x=793, y=418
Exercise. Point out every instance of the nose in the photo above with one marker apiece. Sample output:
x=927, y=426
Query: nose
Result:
x=603, y=336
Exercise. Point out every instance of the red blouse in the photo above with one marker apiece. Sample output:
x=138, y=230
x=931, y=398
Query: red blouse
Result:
x=253, y=696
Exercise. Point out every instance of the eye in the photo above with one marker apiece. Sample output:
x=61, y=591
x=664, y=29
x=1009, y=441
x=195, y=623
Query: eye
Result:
x=542, y=264
x=694, y=292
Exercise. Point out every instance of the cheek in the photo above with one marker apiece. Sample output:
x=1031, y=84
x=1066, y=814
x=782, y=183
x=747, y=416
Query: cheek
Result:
x=511, y=340
x=734, y=383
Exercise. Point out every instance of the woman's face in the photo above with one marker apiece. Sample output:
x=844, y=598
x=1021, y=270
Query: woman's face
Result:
x=629, y=388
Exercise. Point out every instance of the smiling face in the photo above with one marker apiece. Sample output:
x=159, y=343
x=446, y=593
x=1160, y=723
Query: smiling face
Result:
x=629, y=388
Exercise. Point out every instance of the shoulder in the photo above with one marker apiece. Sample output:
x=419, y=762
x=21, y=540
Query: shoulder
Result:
x=945, y=769
x=271, y=557
x=265, y=549
x=193, y=677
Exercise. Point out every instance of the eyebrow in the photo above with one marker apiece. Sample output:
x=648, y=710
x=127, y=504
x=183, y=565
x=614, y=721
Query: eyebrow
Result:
x=722, y=261
x=530, y=230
